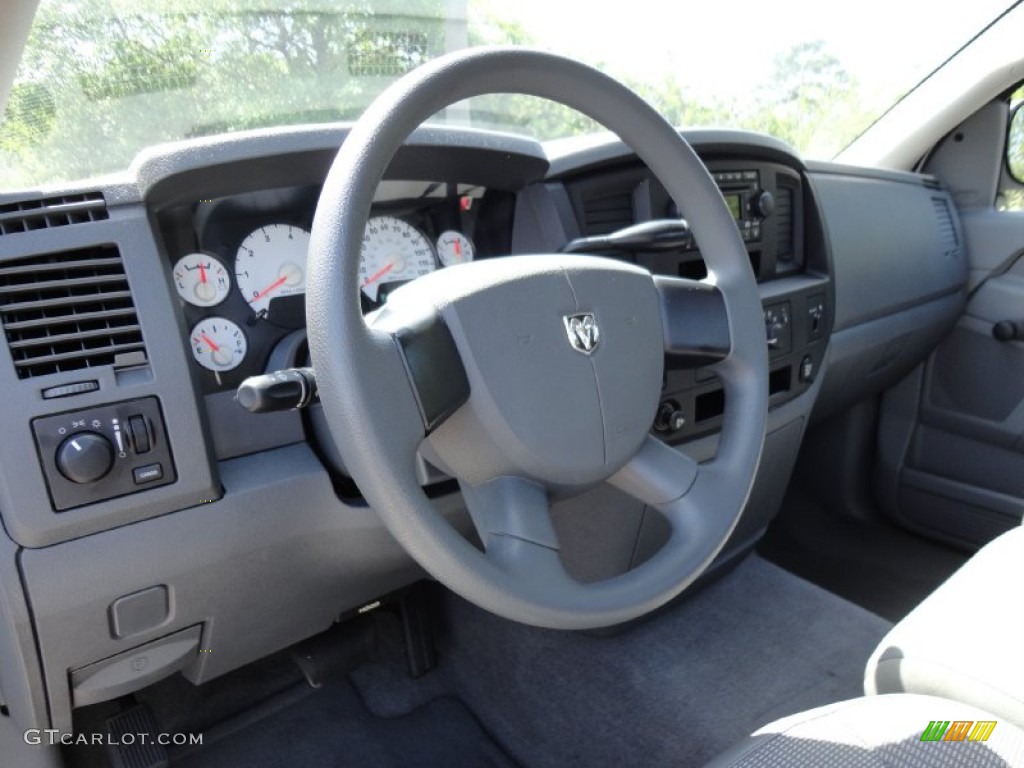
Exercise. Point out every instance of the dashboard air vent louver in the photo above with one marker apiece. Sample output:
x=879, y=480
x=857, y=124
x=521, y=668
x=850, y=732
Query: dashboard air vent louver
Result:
x=606, y=213
x=784, y=224
x=69, y=310
x=947, y=230
x=26, y=215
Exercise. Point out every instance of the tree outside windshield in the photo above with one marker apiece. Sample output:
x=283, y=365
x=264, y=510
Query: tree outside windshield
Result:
x=101, y=80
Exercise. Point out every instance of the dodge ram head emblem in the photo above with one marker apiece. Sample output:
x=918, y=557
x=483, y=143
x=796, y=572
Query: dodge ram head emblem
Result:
x=582, y=331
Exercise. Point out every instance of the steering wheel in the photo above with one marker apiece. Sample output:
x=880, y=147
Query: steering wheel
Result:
x=530, y=376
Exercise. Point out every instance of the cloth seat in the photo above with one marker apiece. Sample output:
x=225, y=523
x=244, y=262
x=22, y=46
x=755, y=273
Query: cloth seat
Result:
x=965, y=641
x=881, y=732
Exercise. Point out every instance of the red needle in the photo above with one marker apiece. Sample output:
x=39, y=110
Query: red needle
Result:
x=458, y=247
x=276, y=284
x=202, y=273
x=209, y=341
x=374, y=278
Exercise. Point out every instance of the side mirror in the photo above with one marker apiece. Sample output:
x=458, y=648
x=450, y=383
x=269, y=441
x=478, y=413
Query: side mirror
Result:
x=1015, y=145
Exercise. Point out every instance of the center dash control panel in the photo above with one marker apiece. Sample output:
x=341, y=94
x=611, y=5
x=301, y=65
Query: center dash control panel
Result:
x=98, y=453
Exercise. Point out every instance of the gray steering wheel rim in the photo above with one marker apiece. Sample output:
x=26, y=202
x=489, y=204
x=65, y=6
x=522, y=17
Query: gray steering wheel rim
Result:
x=363, y=385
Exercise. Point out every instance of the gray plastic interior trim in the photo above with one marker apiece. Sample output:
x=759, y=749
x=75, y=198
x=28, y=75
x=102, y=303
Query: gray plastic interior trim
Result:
x=994, y=242
x=1005, y=504
x=274, y=561
x=938, y=409
x=20, y=673
x=569, y=156
x=969, y=159
x=236, y=432
x=155, y=165
x=897, y=418
x=24, y=501
x=134, y=669
x=870, y=357
x=963, y=459
x=886, y=251
x=18, y=15
x=17, y=753
x=827, y=168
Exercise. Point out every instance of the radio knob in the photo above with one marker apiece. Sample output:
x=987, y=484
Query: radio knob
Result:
x=764, y=205
x=85, y=457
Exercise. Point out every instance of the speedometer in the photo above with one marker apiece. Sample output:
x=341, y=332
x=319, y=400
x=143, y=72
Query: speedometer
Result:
x=393, y=251
x=271, y=262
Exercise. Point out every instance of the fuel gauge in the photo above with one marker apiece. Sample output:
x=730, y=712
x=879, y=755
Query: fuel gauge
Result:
x=201, y=280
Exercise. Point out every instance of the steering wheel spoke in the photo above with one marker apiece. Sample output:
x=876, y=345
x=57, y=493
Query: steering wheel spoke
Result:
x=430, y=357
x=512, y=516
x=658, y=475
x=694, y=322
x=510, y=507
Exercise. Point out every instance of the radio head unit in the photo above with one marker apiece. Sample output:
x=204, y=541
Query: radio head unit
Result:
x=748, y=202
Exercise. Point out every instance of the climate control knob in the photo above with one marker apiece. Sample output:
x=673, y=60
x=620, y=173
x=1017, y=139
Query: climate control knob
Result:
x=85, y=457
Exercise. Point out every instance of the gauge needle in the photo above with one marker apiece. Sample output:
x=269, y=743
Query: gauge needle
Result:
x=202, y=273
x=379, y=274
x=276, y=284
x=458, y=247
x=209, y=342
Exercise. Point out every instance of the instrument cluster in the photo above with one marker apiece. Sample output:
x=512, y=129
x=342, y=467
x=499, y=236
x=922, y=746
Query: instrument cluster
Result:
x=242, y=288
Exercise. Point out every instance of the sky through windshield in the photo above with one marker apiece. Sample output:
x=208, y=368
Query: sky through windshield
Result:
x=103, y=79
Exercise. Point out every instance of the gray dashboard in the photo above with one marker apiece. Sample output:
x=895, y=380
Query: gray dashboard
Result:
x=254, y=534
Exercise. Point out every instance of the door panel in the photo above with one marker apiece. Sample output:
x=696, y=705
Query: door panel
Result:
x=952, y=465
x=951, y=435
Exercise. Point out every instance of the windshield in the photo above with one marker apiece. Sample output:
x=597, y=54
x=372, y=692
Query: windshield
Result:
x=101, y=80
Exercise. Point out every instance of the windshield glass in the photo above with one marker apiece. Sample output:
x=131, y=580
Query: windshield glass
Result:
x=101, y=80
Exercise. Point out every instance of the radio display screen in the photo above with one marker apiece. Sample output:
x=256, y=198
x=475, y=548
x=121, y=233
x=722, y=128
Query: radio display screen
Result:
x=733, y=201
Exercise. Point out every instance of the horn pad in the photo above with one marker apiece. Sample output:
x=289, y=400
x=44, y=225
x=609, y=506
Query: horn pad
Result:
x=564, y=357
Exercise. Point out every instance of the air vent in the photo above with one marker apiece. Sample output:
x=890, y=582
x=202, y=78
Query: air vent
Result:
x=947, y=230
x=607, y=213
x=67, y=311
x=26, y=215
x=784, y=224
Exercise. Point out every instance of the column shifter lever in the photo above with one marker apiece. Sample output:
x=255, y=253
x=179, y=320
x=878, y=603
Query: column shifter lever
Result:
x=279, y=391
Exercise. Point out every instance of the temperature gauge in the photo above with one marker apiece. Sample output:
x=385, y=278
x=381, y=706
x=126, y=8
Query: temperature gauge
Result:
x=454, y=248
x=201, y=280
x=218, y=344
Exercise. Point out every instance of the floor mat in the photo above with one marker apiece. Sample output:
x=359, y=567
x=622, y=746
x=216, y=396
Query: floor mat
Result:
x=872, y=563
x=331, y=728
x=677, y=690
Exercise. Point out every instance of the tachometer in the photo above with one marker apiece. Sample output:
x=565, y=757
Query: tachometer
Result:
x=393, y=251
x=271, y=262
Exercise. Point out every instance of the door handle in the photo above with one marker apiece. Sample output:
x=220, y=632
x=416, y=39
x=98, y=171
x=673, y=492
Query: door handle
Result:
x=1008, y=330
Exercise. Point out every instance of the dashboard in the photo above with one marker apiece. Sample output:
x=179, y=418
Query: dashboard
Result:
x=133, y=308
x=237, y=263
